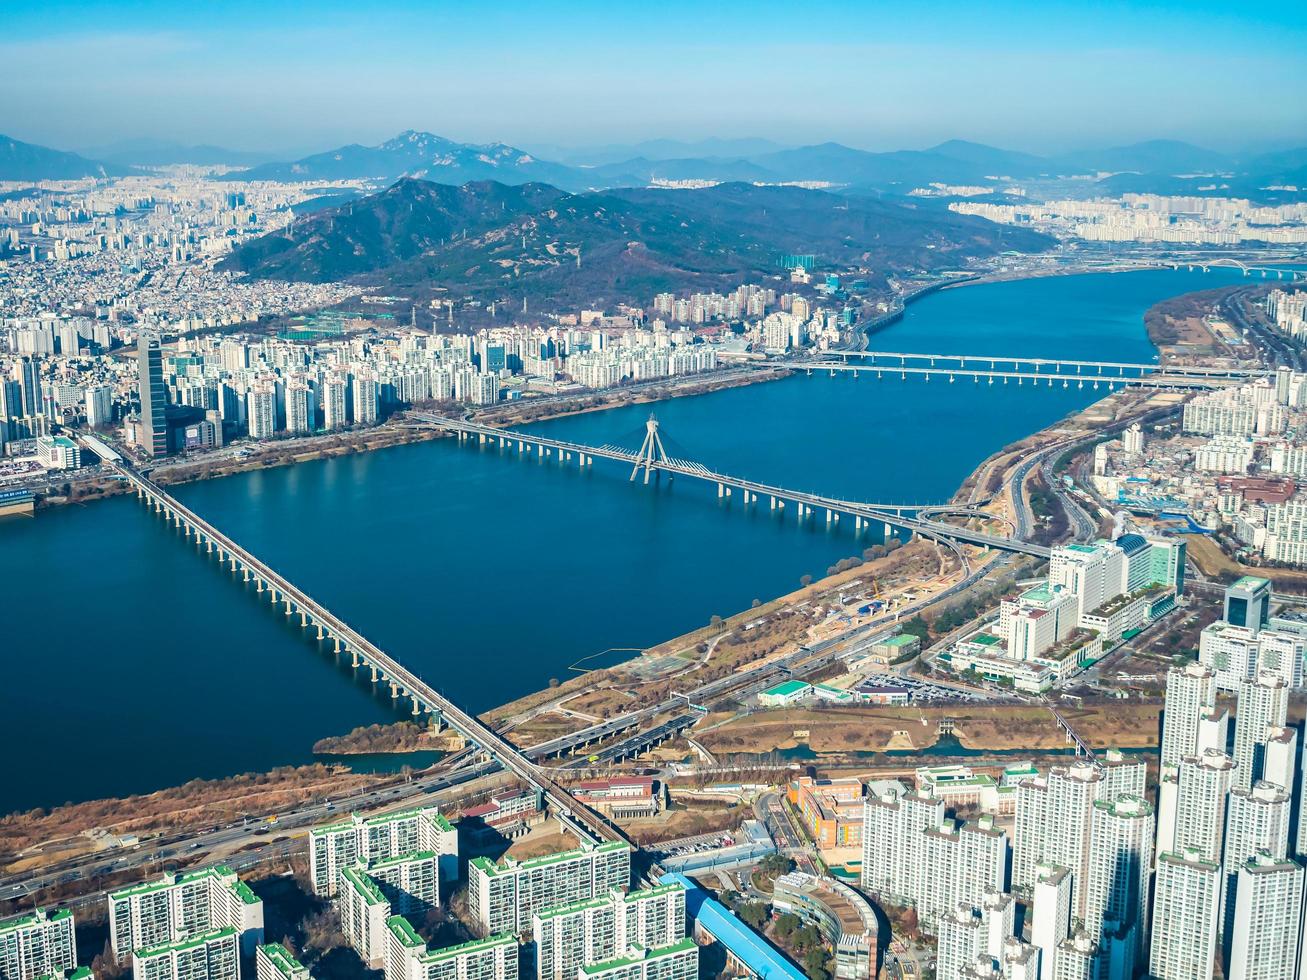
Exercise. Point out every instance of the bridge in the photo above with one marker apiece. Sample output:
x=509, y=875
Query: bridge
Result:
x=1265, y=271
x=652, y=458
x=364, y=654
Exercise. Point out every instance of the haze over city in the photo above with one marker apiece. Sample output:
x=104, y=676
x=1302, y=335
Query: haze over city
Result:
x=578, y=491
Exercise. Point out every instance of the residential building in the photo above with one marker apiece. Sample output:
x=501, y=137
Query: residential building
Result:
x=1262, y=705
x=679, y=961
x=1051, y=914
x=503, y=896
x=1186, y=900
x=388, y=835
x=1120, y=863
x=180, y=906
x=1267, y=931
x=1203, y=787
x=37, y=943
x=1190, y=690
x=273, y=961
x=409, y=958
x=364, y=911
x=602, y=928
x=210, y=955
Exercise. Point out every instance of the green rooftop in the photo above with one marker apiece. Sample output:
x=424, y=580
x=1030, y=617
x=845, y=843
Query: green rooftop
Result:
x=364, y=885
x=389, y=862
x=282, y=961
x=985, y=639
x=81, y=973
x=786, y=689
x=899, y=640
x=462, y=949
x=403, y=930
x=32, y=918
x=639, y=955
x=171, y=881
x=245, y=893
x=491, y=868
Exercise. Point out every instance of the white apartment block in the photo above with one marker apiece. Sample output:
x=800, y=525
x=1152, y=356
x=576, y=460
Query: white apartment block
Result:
x=1203, y=787
x=1190, y=690
x=36, y=944
x=1076, y=958
x=1256, y=822
x=211, y=955
x=179, y=906
x=1053, y=815
x=602, y=928
x=345, y=843
x=1120, y=863
x=410, y=882
x=409, y=958
x=1262, y=705
x=679, y=961
x=503, y=896
x=273, y=961
x=913, y=855
x=363, y=913
x=1267, y=931
x=1186, y=900
x=1050, y=897
x=972, y=934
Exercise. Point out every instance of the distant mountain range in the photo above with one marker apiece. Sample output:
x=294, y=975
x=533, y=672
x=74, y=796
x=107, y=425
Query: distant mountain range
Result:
x=494, y=241
x=27, y=161
x=1158, y=166
x=162, y=153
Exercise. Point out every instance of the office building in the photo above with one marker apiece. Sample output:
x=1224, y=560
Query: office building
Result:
x=602, y=928
x=1248, y=602
x=99, y=406
x=1186, y=899
x=210, y=955
x=36, y=944
x=154, y=421
x=366, y=839
x=503, y=896
x=1262, y=705
x=180, y=906
x=1267, y=934
x=409, y=958
x=273, y=961
x=679, y=961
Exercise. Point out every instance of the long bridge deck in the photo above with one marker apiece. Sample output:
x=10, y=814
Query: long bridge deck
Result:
x=1068, y=367
x=751, y=491
x=403, y=682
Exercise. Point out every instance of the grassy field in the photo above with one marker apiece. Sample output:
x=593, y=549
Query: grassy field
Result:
x=1215, y=563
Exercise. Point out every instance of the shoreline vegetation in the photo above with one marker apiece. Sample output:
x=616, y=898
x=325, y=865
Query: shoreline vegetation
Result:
x=38, y=830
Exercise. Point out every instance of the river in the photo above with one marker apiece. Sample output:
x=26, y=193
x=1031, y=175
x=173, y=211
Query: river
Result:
x=133, y=662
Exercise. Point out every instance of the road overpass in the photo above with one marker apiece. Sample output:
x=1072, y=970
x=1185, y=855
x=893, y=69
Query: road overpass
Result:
x=363, y=652
x=807, y=505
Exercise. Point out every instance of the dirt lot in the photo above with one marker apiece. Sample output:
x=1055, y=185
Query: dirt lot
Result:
x=1215, y=563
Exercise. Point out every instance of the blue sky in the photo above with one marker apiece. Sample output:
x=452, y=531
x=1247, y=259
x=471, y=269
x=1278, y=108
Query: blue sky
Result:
x=1044, y=77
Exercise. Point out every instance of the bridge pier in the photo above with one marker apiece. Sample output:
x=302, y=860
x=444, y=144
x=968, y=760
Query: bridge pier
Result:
x=320, y=634
x=374, y=672
x=394, y=691
x=416, y=710
x=304, y=620
x=260, y=581
x=354, y=662
x=247, y=575
x=287, y=606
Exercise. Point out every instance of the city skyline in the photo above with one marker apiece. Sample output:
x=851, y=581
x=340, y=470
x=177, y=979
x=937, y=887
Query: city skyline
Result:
x=587, y=76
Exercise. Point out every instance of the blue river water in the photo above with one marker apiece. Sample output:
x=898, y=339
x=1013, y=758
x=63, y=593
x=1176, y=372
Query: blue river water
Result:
x=132, y=662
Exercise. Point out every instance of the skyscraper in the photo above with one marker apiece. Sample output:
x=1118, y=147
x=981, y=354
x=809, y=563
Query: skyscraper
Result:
x=154, y=421
x=1266, y=919
x=1116, y=889
x=1185, y=914
x=1248, y=602
x=1189, y=691
x=1263, y=705
x=1200, y=804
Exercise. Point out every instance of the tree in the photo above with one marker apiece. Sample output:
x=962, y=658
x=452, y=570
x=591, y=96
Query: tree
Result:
x=814, y=964
x=805, y=580
x=753, y=914
x=756, y=603
x=715, y=621
x=553, y=682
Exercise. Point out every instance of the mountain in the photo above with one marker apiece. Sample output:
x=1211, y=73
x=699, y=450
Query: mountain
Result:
x=28, y=161
x=895, y=170
x=1277, y=164
x=490, y=241
x=663, y=149
x=642, y=171
x=1151, y=157
x=414, y=154
x=1006, y=163
x=161, y=153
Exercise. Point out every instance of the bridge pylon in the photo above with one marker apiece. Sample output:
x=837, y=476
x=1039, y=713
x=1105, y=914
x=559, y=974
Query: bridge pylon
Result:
x=651, y=452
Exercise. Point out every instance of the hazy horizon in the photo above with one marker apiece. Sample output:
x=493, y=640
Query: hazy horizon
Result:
x=272, y=78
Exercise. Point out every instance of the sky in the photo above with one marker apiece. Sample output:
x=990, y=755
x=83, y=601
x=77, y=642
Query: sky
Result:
x=294, y=78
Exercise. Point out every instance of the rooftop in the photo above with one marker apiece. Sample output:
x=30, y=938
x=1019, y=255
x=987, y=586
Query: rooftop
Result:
x=506, y=866
x=364, y=885
x=637, y=955
x=190, y=942
x=786, y=689
x=282, y=961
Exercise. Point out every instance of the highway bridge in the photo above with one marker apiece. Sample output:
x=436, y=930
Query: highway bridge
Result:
x=364, y=654
x=652, y=459
x=1029, y=379
x=1044, y=366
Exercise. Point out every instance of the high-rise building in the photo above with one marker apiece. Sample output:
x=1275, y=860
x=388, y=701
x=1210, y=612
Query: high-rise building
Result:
x=367, y=403
x=1267, y=920
x=1204, y=785
x=1256, y=822
x=1186, y=899
x=1248, y=602
x=1053, y=815
x=177, y=907
x=335, y=402
x=37, y=944
x=360, y=839
x=299, y=408
x=261, y=412
x=1116, y=886
x=210, y=955
x=154, y=400
x=273, y=961
x=602, y=928
x=409, y=958
x=1190, y=690
x=364, y=911
x=27, y=373
x=99, y=406
x=1262, y=705
x=503, y=896
x=1051, y=910
x=971, y=936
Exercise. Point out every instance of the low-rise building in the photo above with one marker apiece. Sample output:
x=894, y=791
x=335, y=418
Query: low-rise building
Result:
x=621, y=797
x=845, y=919
x=785, y=694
